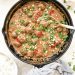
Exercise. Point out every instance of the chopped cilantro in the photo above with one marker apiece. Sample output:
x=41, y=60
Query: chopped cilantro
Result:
x=49, y=7
x=51, y=37
x=30, y=14
x=31, y=43
x=34, y=36
x=45, y=51
x=32, y=7
x=12, y=23
x=32, y=47
x=74, y=11
x=64, y=37
x=50, y=30
x=58, y=46
x=22, y=22
x=65, y=1
x=24, y=47
x=74, y=67
x=44, y=39
x=18, y=31
x=68, y=7
x=69, y=63
x=61, y=35
x=26, y=11
x=63, y=22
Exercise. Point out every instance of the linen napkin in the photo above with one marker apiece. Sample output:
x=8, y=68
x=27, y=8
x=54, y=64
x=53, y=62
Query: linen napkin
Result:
x=55, y=68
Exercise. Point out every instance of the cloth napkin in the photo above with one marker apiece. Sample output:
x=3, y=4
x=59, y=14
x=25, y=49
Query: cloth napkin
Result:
x=55, y=68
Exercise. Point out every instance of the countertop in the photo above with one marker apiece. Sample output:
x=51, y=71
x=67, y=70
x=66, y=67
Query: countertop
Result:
x=5, y=6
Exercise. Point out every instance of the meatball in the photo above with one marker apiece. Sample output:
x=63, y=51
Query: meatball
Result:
x=41, y=6
x=38, y=33
x=14, y=35
x=28, y=29
x=59, y=29
x=21, y=38
x=16, y=43
x=30, y=53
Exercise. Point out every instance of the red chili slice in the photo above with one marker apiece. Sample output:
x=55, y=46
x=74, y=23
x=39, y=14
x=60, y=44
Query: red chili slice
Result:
x=35, y=52
x=57, y=41
x=51, y=12
x=38, y=33
x=37, y=14
x=17, y=40
x=55, y=44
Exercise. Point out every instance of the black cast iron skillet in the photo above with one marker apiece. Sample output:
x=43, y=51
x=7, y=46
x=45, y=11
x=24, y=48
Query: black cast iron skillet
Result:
x=53, y=58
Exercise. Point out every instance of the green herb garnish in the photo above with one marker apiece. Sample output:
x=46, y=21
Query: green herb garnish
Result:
x=34, y=36
x=69, y=63
x=21, y=22
x=65, y=1
x=30, y=14
x=32, y=48
x=64, y=37
x=30, y=43
x=12, y=23
x=74, y=11
x=26, y=11
x=45, y=51
x=51, y=30
x=51, y=37
x=63, y=22
x=44, y=39
x=68, y=7
x=58, y=46
x=24, y=47
x=61, y=35
x=18, y=31
x=32, y=7
x=73, y=67
x=41, y=27
x=49, y=7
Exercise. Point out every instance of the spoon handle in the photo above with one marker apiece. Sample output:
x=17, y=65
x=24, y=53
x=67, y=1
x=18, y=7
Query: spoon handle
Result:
x=64, y=25
x=68, y=26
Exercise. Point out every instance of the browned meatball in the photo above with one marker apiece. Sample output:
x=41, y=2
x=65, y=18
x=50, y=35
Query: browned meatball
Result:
x=21, y=38
x=16, y=43
x=41, y=6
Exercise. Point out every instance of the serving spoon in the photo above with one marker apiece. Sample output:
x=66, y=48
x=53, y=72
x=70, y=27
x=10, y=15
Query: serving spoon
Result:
x=64, y=25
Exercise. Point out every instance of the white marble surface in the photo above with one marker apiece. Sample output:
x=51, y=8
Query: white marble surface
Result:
x=5, y=5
